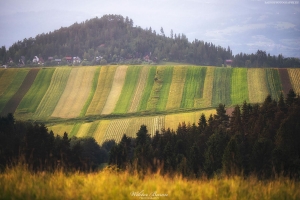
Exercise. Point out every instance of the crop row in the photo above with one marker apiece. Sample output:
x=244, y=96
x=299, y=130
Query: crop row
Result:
x=295, y=79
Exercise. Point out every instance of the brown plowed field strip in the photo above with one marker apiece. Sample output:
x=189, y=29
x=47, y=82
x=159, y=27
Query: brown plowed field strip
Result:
x=285, y=81
x=13, y=103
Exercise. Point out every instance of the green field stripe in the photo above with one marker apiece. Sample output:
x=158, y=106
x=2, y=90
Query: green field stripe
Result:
x=75, y=130
x=166, y=80
x=54, y=92
x=148, y=88
x=193, y=87
x=13, y=87
x=93, y=129
x=274, y=83
x=8, y=75
x=239, y=86
x=92, y=93
x=38, y=89
x=222, y=86
x=128, y=89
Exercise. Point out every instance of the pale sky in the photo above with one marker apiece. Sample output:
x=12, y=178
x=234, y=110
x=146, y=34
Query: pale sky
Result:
x=244, y=25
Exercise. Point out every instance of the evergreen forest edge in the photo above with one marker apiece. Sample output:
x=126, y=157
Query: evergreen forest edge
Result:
x=261, y=140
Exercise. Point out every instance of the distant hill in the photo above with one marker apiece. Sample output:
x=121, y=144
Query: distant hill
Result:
x=114, y=39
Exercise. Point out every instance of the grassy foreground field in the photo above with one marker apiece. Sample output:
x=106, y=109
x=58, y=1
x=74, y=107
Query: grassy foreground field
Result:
x=18, y=183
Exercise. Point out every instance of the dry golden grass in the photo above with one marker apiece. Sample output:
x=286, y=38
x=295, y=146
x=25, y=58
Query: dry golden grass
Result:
x=76, y=93
x=257, y=85
x=19, y=183
x=83, y=130
x=176, y=88
x=116, y=90
x=295, y=79
x=103, y=88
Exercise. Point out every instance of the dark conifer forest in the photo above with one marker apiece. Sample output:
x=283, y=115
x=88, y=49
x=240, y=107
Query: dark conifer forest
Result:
x=114, y=39
x=261, y=140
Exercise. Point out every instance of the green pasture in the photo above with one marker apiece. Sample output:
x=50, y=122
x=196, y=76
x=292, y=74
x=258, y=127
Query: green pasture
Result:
x=239, y=86
x=221, y=86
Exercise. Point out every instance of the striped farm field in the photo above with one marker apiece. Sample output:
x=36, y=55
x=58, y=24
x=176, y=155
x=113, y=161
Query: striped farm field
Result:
x=148, y=89
x=285, y=81
x=160, y=90
x=153, y=124
x=193, y=86
x=221, y=86
x=257, y=85
x=116, y=129
x=128, y=89
x=105, y=81
x=274, y=83
x=6, y=77
x=172, y=121
x=92, y=93
x=75, y=93
x=84, y=129
x=176, y=87
x=116, y=90
x=101, y=130
x=60, y=129
x=15, y=100
x=38, y=89
x=295, y=79
x=57, y=85
x=208, y=89
x=140, y=88
x=239, y=86
x=12, y=86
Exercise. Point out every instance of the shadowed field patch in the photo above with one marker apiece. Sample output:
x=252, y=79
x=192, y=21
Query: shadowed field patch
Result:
x=13, y=103
x=285, y=81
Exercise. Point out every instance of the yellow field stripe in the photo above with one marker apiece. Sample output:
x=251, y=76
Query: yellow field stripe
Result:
x=116, y=90
x=76, y=93
x=176, y=88
x=257, y=85
x=103, y=88
x=207, y=89
x=295, y=79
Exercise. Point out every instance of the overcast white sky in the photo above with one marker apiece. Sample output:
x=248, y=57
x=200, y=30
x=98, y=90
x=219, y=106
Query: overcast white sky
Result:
x=244, y=25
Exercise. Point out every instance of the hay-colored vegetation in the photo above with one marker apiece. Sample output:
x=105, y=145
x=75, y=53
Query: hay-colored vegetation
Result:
x=60, y=129
x=239, y=86
x=295, y=79
x=257, y=85
x=116, y=90
x=83, y=130
x=116, y=129
x=19, y=183
x=105, y=81
x=176, y=88
x=75, y=93
x=56, y=88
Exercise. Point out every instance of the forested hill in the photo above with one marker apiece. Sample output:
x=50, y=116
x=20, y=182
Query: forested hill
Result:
x=115, y=39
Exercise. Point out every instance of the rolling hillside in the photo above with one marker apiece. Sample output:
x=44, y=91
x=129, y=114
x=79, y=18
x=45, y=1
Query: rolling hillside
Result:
x=108, y=101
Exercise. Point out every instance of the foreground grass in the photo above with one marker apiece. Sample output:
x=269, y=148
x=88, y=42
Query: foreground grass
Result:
x=18, y=183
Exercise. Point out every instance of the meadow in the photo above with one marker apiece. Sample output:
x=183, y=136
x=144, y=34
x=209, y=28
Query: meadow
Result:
x=19, y=183
x=107, y=101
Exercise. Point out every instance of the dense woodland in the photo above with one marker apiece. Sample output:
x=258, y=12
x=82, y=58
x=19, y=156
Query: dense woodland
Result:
x=115, y=39
x=263, y=140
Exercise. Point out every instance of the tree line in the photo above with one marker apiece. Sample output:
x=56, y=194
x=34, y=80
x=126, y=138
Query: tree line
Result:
x=255, y=139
